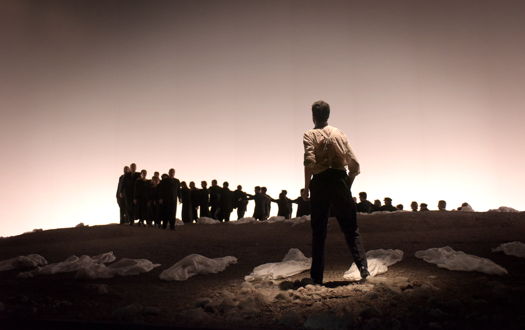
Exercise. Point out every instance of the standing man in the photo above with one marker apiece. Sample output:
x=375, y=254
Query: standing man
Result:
x=140, y=199
x=174, y=186
x=364, y=205
x=194, y=196
x=327, y=154
x=215, y=199
x=129, y=191
x=226, y=202
x=303, y=205
x=204, y=200
x=267, y=203
x=259, y=199
x=121, y=201
x=240, y=200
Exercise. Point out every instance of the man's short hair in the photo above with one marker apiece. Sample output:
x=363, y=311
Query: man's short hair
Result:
x=362, y=194
x=320, y=111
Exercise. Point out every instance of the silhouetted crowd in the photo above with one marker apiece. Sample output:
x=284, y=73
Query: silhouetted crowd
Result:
x=365, y=206
x=154, y=202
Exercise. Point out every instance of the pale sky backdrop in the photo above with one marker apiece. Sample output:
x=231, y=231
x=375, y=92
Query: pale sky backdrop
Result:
x=430, y=93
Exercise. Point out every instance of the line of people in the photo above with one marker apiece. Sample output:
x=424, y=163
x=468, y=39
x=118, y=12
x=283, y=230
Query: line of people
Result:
x=154, y=201
x=365, y=206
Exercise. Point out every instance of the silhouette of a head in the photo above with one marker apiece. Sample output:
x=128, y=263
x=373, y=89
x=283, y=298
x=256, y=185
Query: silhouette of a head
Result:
x=225, y=184
x=388, y=201
x=172, y=173
x=414, y=206
x=320, y=112
x=143, y=174
x=126, y=169
x=362, y=196
x=204, y=184
x=133, y=167
x=192, y=185
x=213, y=182
x=239, y=187
x=442, y=205
x=264, y=190
x=257, y=189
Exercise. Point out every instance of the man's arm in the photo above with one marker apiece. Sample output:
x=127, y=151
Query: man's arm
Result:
x=307, y=179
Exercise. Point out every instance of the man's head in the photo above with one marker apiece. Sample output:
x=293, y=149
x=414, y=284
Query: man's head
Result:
x=156, y=174
x=126, y=169
x=377, y=202
x=192, y=185
x=320, y=112
x=399, y=207
x=264, y=190
x=414, y=206
x=213, y=182
x=225, y=184
x=362, y=196
x=133, y=167
x=164, y=176
x=204, y=184
x=143, y=174
x=257, y=189
x=239, y=187
x=183, y=184
x=171, y=173
x=155, y=180
x=388, y=201
x=442, y=205
x=424, y=207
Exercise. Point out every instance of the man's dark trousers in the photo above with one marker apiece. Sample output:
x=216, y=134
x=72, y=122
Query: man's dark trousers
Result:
x=331, y=188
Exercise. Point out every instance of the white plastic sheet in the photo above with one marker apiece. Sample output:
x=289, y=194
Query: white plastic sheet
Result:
x=294, y=262
x=123, y=267
x=378, y=262
x=23, y=262
x=194, y=264
x=516, y=249
x=448, y=258
x=207, y=221
x=504, y=209
x=243, y=221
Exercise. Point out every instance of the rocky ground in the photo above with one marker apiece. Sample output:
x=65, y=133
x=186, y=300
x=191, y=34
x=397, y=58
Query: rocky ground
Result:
x=411, y=295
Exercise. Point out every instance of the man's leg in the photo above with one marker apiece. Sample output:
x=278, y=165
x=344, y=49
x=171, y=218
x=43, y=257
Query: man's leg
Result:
x=345, y=211
x=320, y=205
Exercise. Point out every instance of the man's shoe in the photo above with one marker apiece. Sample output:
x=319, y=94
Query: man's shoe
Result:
x=364, y=274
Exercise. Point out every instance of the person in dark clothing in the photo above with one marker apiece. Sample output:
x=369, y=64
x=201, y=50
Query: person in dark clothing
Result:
x=377, y=205
x=165, y=202
x=260, y=200
x=215, y=199
x=185, y=199
x=267, y=203
x=284, y=204
x=388, y=205
x=153, y=202
x=129, y=191
x=174, y=186
x=195, y=195
x=240, y=201
x=303, y=205
x=327, y=154
x=226, y=206
x=204, y=200
x=140, y=198
x=121, y=201
x=364, y=206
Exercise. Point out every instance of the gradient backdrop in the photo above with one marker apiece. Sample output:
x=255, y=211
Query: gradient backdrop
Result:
x=430, y=93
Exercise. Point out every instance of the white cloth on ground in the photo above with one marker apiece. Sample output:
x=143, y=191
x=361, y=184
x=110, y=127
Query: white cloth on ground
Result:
x=294, y=262
x=378, y=262
x=448, y=258
x=23, y=262
x=194, y=264
x=207, y=221
x=515, y=248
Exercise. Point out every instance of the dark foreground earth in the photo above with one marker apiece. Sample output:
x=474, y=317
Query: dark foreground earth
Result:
x=411, y=295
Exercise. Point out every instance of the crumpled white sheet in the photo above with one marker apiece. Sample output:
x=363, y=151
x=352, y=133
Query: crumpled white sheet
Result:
x=194, y=264
x=207, y=221
x=448, y=258
x=275, y=219
x=294, y=262
x=467, y=208
x=504, y=209
x=179, y=222
x=23, y=262
x=123, y=267
x=515, y=248
x=378, y=262
x=71, y=264
x=298, y=220
x=243, y=221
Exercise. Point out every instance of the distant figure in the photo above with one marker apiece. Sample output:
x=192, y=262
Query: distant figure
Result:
x=377, y=205
x=129, y=191
x=240, y=201
x=399, y=207
x=260, y=200
x=267, y=203
x=153, y=202
x=327, y=153
x=174, y=186
x=204, y=200
x=423, y=207
x=226, y=205
x=414, y=206
x=303, y=204
x=215, y=199
x=364, y=205
x=165, y=201
x=388, y=205
x=185, y=199
x=284, y=204
x=121, y=200
x=442, y=205
x=195, y=196
x=156, y=175
x=140, y=198
x=465, y=207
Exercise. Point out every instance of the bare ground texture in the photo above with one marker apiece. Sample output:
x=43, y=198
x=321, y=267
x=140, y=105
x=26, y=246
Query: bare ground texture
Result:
x=411, y=295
